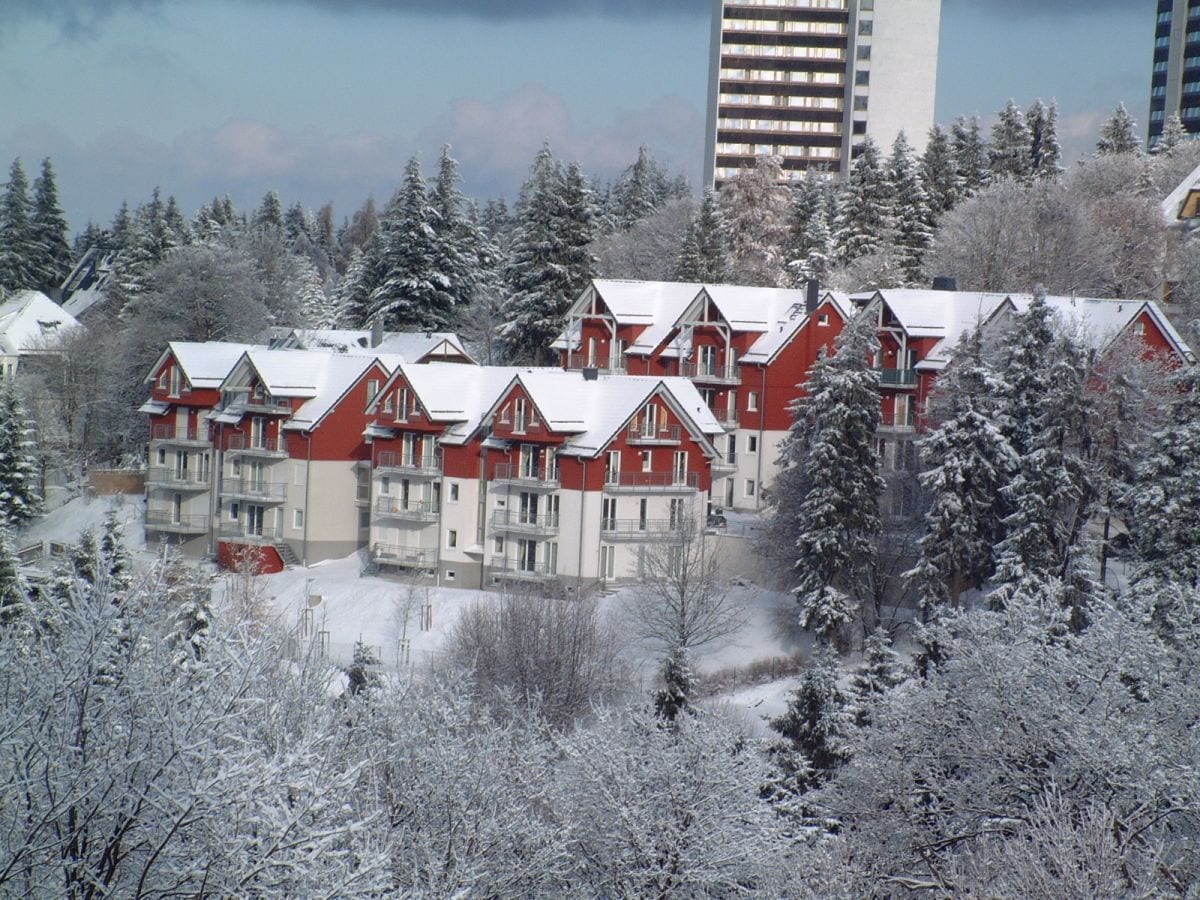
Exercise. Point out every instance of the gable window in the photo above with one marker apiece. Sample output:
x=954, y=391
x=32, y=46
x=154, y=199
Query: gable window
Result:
x=175, y=381
x=162, y=379
x=612, y=469
x=519, y=415
x=389, y=403
x=402, y=405
x=372, y=388
x=823, y=319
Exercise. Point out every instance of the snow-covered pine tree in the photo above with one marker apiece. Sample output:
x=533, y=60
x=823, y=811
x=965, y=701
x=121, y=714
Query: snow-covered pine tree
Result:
x=912, y=229
x=411, y=290
x=638, y=191
x=679, y=683
x=756, y=205
x=455, y=238
x=48, y=228
x=549, y=263
x=1045, y=154
x=362, y=675
x=704, y=256
x=269, y=214
x=1164, y=503
x=178, y=233
x=811, y=252
x=1173, y=134
x=14, y=591
x=19, y=497
x=297, y=224
x=188, y=591
x=882, y=667
x=1010, y=155
x=943, y=184
x=18, y=249
x=317, y=309
x=115, y=554
x=353, y=292
x=1118, y=134
x=837, y=519
x=968, y=462
x=813, y=729
x=865, y=216
x=970, y=154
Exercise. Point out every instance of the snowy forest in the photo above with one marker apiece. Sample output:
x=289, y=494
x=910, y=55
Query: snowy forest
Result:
x=1003, y=699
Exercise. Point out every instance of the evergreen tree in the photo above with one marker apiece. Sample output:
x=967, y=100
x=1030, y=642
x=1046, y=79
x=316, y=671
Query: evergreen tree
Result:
x=641, y=189
x=704, y=256
x=18, y=249
x=913, y=231
x=297, y=225
x=48, y=230
x=14, y=591
x=1011, y=155
x=812, y=249
x=362, y=675
x=679, y=683
x=411, y=289
x=943, y=184
x=317, y=309
x=189, y=591
x=19, y=497
x=837, y=519
x=177, y=231
x=1118, y=134
x=882, y=668
x=756, y=205
x=1045, y=154
x=353, y=295
x=1173, y=135
x=814, y=729
x=969, y=462
x=495, y=219
x=118, y=565
x=121, y=228
x=549, y=263
x=270, y=212
x=970, y=154
x=865, y=218
x=455, y=236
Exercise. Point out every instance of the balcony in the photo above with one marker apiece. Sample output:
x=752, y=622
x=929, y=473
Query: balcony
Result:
x=542, y=477
x=250, y=489
x=248, y=445
x=711, y=373
x=897, y=378
x=728, y=418
x=165, y=521
x=429, y=465
x=646, y=434
x=583, y=361
x=722, y=467
x=174, y=480
x=408, y=557
x=514, y=521
x=899, y=424
x=651, y=482
x=640, y=530
x=277, y=406
x=520, y=571
x=408, y=511
x=245, y=533
x=184, y=437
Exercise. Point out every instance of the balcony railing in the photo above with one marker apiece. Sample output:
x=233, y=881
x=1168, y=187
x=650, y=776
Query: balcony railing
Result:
x=412, y=557
x=511, y=568
x=177, y=481
x=256, y=446
x=165, y=520
x=274, y=405
x=411, y=510
x=640, y=530
x=897, y=377
x=407, y=464
x=711, y=373
x=540, y=477
x=900, y=424
x=240, y=531
x=723, y=466
x=727, y=417
x=517, y=522
x=583, y=361
x=642, y=433
x=174, y=435
x=657, y=482
x=271, y=491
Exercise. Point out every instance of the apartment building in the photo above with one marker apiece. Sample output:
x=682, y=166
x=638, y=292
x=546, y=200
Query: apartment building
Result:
x=1175, y=75
x=490, y=475
x=808, y=80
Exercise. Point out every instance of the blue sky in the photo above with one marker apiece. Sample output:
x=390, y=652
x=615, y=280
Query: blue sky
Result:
x=324, y=100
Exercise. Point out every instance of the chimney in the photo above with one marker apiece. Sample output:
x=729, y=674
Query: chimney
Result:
x=812, y=295
x=376, y=332
x=945, y=283
x=590, y=373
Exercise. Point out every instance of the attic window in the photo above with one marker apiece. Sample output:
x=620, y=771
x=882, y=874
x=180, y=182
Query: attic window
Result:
x=1191, y=205
x=823, y=319
x=1139, y=328
x=389, y=403
x=372, y=388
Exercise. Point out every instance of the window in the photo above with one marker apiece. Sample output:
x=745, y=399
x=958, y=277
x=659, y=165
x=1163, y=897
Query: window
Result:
x=175, y=380
x=453, y=492
x=676, y=513
x=752, y=402
x=823, y=319
x=607, y=566
x=865, y=26
x=860, y=127
x=297, y=518
x=233, y=512
x=385, y=485
x=751, y=487
x=612, y=471
x=499, y=546
x=680, y=468
x=608, y=514
x=862, y=78
x=520, y=416
x=752, y=443
x=1139, y=328
x=364, y=519
x=860, y=103
x=450, y=575
x=162, y=456
x=162, y=379
x=300, y=473
x=372, y=388
x=864, y=51
x=389, y=402
x=647, y=461
x=402, y=404
x=452, y=538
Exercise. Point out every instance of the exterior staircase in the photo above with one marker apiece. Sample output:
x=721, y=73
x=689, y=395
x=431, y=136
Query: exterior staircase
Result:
x=285, y=552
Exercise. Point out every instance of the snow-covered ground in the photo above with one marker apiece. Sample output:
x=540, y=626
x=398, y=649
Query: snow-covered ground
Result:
x=67, y=522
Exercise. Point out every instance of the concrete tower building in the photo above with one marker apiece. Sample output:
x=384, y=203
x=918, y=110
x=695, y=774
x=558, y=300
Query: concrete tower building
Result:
x=808, y=80
x=1175, y=79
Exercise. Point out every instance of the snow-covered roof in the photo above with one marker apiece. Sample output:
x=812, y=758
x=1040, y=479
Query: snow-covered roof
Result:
x=1100, y=321
x=29, y=321
x=451, y=393
x=338, y=375
x=1173, y=206
x=754, y=308
x=768, y=345
x=412, y=346
x=87, y=283
x=944, y=315
x=655, y=304
x=205, y=365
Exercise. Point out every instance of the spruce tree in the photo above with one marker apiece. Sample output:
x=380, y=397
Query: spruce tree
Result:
x=18, y=248
x=913, y=230
x=1173, y=135
x=1118, y=134
x=20, y=499
x=641, y=189
x=1045, y=152
x=177, y=231
x=679, y=683
x=968, y=463
x=48, y=228
x=865, y=218
x=362, y=675
x=943, y=184
x=1010, y=155
x=353, y=293
x=704, y=256
x=14, y=591
x=813, y=729
x=970, y=154
x=455, y=236
x=549, y=262
x=270, y=212
x=812, y=251
x=756, y=206
x=837, y=519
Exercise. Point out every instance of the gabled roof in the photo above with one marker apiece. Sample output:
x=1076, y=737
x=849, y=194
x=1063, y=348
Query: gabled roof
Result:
x=29, y=320
x=944, y=315
x=764, y=350
x=655, y=304
x=1100, y=321
x=457, y=395
x=1176, y=210
x=754, y=308
x=205, y=365
x=339, y=374
x=413, y=346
